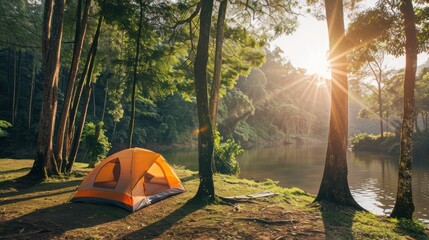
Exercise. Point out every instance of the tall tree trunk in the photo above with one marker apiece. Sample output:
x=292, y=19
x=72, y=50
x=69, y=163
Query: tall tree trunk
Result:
x=9, y=56
x=220, y=29
x=53, y=17
x=217, y=73
x=76, y=139
x=136, y=63
x=77, y=94
x=205, y=137
x=81, y=25
x=380, y=108
x=14, y=89
x=33, y=82
x=18, y=90
x=334, y=186
x=404, y=206
x=73, y=140
x=106, y=90
x=94, y=105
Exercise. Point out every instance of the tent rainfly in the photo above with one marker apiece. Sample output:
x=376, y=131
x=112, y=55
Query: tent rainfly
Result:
x=132, y=178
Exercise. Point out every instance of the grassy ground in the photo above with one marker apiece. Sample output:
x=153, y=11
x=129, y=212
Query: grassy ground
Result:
x=42, y=211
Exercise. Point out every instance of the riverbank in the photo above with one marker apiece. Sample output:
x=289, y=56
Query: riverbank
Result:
x=389, y=144
x=42, y=212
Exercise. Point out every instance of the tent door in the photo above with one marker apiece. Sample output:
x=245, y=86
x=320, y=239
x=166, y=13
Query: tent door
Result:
x=108, y=175
x=155, y=180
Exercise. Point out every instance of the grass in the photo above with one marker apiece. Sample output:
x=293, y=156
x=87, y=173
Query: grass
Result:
x=42, y=212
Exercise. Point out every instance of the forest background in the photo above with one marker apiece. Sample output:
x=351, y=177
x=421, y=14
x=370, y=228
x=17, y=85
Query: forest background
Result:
x=265, y=100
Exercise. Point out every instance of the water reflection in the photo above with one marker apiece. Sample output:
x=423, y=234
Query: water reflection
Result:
x=372, y=177
x=373, y=182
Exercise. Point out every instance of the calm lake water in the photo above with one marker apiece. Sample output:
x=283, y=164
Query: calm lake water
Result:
x=372, y=177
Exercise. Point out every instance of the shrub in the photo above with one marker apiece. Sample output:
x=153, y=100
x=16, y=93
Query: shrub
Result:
x=224, y=155
x=95, y=142
x=4, y=125
x=375, y=143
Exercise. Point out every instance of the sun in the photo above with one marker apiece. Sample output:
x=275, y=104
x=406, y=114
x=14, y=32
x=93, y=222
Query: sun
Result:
x=317, y=64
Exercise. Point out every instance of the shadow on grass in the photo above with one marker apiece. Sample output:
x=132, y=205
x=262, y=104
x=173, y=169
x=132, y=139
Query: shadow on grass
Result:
x=51, y=222
x=24, y=169
x=48, y=222
x=156, y=229
x=189, y=178
x=39, y=195
x=414, y=229
x=337, y=221
x=21, y=186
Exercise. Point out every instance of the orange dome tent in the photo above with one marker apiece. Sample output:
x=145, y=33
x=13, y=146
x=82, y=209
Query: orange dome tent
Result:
x=132, y=178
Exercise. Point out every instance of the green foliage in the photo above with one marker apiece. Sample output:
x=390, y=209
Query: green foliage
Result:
x=3, y=126
x=234, y=108
x=270, y=20
x=375, y=143
x=422, y=91
x=247, y=133
x=21, y=21
x=389, y=144
x=381, y=29
x=225, y=153
x=95, y=142
x=166, y=108
x=370, y=25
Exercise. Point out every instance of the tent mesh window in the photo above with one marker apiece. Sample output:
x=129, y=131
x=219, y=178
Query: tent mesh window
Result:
x=108, y=175
x=155, y=180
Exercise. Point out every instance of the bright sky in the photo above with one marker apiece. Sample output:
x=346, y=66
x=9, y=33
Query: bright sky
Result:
x=308, y=46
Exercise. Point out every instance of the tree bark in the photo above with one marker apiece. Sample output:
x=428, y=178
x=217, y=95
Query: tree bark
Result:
x=81, y=25
x=214, y=94
x=136, y=63
x=18, y=83
x=334, y=186
x=205, y=137
x=404, y=206
x=33, y=82
x=14, y=89
x=53, y=18
x=76, y=139
x=72, y=139
x=94, y=105
x=106, y=91
x=220, y=29
x=77, y=94
x=9, y=56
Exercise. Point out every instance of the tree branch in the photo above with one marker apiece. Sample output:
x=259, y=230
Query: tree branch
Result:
x=190, y=18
